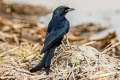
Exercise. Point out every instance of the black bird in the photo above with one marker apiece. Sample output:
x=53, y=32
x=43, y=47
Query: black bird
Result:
x=57, y=28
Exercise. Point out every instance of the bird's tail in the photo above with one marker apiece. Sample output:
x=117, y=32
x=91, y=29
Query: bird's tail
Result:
x=46, y=61
x=40, y=65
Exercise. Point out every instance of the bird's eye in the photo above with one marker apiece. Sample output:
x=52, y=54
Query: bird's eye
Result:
x=66, y=9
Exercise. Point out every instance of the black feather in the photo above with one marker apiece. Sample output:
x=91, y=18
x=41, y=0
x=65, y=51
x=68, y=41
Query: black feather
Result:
x=57, y=28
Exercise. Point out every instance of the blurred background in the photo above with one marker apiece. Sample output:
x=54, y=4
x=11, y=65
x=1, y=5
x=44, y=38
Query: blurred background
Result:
x=104, y=12
x=27, y=20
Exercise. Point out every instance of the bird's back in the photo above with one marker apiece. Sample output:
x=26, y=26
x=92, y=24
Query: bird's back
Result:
x=57, y=28
x=57, y=23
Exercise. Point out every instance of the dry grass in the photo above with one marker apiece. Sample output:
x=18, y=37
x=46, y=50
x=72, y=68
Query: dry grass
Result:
x=72, y=63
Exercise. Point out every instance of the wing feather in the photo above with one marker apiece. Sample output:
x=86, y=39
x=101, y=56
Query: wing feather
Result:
x=55, y=35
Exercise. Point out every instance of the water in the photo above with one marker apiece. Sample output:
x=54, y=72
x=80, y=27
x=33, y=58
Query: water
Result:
x=104, y=12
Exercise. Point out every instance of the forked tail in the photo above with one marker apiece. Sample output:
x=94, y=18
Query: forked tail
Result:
x=46, y=61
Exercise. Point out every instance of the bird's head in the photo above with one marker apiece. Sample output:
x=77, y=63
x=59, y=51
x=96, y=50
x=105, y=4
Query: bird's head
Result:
x=62, y=10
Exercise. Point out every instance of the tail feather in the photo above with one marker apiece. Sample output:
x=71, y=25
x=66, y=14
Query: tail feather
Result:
x=46, y=61
x=47, y=70
x=41, y=64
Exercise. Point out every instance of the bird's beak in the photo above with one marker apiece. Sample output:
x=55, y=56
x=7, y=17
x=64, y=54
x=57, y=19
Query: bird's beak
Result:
x=70, y=9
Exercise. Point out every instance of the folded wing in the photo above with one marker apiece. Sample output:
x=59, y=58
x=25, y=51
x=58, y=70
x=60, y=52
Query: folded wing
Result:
x=53, y=37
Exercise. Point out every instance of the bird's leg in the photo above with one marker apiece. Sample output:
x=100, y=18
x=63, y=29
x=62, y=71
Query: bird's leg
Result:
x=64, y=46
x=68, y=43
